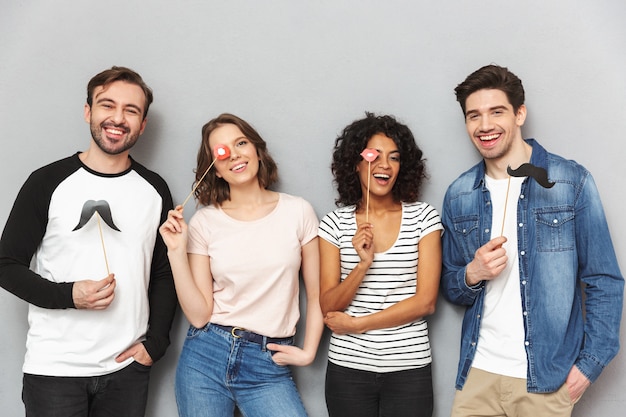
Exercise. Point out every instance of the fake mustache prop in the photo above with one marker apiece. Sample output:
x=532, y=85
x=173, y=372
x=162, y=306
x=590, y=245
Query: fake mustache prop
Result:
x=529, y=170
x=90, y=208
x=525, y=170
x=102, y=211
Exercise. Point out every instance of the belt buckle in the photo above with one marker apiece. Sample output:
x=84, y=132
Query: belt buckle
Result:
x=234, y=329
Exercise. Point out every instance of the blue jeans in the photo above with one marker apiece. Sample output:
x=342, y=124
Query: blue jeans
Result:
x=217, y=372
x=356, y=393
x=121, y=393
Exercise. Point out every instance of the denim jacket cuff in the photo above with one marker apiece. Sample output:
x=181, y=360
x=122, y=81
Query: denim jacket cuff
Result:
x=589, y=367
x=474, y=287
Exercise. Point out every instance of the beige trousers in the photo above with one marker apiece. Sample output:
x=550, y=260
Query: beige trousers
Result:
x=491, y=395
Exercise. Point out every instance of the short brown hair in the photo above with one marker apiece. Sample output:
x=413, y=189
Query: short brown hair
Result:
x=109, y=76
x=492, y=77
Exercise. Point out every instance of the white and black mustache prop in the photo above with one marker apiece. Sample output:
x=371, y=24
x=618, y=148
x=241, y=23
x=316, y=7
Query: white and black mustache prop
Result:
x=102, y=210
x=90, y=208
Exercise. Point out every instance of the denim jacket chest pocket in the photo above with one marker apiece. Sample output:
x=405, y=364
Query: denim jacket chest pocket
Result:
x=467, y=230
x=555, y=229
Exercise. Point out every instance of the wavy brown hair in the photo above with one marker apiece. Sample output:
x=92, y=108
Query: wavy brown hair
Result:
x=347, y=155
x=215, y=190
x=492, y=77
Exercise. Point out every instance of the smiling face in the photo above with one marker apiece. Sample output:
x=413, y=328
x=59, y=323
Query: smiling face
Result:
x=243, y=164
x=116, y=116
x=493, y=126
x=384, y=170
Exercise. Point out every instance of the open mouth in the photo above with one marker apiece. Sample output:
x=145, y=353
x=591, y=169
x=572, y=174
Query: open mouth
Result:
x=382, y=178
x=238, y=167
x=115, y=131
x=488, y=138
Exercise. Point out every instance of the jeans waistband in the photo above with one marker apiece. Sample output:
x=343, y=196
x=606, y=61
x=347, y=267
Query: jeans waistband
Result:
x=240, y=333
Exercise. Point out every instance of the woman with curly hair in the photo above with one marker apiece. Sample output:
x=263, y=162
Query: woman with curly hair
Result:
x=236, y=269
x=374, y=293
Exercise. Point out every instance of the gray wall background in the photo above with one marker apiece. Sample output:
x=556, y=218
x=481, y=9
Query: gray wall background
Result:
x=300, y=72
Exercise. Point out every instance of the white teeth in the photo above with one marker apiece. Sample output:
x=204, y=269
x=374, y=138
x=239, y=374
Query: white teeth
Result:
x=115, y=131
x=381, y=176
x=490, y=137
x=238, y=167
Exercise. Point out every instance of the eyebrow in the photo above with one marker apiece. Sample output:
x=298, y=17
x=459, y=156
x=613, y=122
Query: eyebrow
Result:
x=472, y=111
x=108, y=100
x=394, y=151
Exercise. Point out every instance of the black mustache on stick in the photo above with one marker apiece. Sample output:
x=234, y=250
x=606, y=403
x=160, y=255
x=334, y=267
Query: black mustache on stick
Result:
x=89, y=209
x=529, y=170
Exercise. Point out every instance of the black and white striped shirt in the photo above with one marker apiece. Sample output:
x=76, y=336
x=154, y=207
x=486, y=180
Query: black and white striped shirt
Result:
x=390, y=279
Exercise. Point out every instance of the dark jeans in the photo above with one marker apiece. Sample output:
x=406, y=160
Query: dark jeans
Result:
x=355, y=393
x=121, y=394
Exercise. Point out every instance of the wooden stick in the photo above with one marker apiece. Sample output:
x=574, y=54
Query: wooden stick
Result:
x=367, y=198
x=106, y=262
x=369, y=155
x=195, y=187
x=506, y=203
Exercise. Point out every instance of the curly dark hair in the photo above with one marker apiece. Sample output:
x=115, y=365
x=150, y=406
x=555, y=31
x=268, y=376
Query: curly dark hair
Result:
x=215, y=190
x=347, y=155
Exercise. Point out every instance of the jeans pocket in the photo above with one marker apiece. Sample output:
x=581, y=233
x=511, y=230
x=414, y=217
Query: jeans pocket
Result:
x=270, y=353
x=192, y=332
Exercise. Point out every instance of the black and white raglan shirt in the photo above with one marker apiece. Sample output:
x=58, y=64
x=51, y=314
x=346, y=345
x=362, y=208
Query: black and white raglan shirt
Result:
x=68, y=224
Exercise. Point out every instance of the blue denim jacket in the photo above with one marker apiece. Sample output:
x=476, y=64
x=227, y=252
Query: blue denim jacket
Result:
x=563, y=240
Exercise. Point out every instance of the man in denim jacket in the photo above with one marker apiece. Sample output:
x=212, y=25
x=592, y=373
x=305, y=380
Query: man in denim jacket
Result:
x=520, y=248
